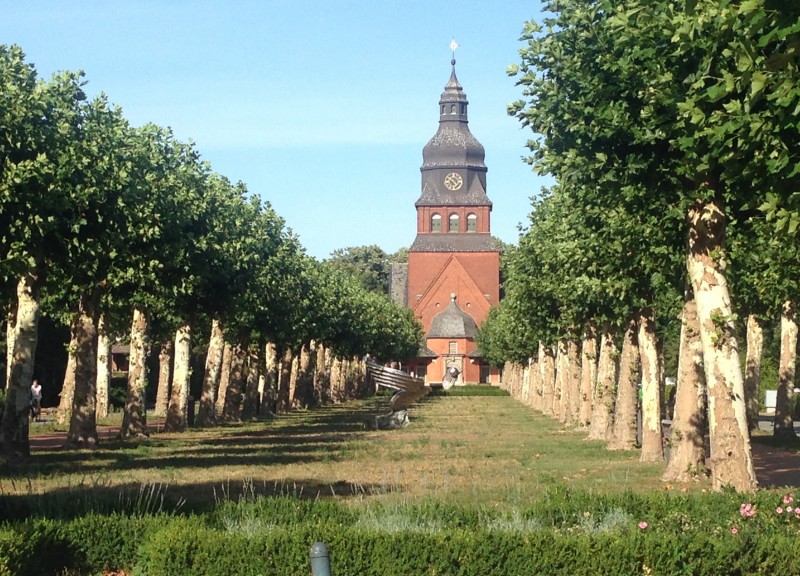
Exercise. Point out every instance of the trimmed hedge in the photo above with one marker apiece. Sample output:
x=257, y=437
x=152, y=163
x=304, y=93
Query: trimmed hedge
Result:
x=564, y=533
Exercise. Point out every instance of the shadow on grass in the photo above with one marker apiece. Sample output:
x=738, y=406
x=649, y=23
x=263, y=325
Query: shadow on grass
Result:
x=137, y=499
x=298, y=437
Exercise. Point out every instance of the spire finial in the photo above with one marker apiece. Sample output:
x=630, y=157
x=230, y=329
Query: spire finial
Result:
x=453, y=46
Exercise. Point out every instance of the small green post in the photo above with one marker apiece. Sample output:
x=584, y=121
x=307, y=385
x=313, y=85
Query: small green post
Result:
x=320, y=560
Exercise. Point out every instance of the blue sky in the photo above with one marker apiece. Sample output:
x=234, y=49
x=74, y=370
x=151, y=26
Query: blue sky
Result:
x=321, y=108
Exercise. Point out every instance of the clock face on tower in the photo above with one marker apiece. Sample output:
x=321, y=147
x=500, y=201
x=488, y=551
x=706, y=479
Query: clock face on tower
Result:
x=453, y=181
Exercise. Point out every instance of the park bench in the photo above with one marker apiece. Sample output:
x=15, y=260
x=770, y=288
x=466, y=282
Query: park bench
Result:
x=408, y=389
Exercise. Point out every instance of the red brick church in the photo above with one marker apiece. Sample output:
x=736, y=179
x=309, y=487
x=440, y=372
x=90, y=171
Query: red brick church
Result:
x=452, y=277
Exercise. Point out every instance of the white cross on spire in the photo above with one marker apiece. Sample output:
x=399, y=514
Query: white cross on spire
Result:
x=453, y=46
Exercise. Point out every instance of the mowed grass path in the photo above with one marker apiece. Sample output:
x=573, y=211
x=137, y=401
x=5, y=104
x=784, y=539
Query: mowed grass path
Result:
x=482, y=450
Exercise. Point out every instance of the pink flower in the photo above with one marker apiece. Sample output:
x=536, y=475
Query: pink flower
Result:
x=747, y=510
x=788, y=499
x=789, y=509
x=734, y=530
x=779, y=510
x=642, y=525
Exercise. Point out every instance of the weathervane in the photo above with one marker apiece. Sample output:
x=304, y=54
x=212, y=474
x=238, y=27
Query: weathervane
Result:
x=453, y=46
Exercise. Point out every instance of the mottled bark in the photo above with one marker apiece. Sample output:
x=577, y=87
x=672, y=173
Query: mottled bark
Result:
x=336, y=379
x=251, y=396
x=15, y=440
x=548, y=362
x=602, y=423
x=178, y=409
x=304, y=391
x=752, y=372
x=687, y=438
x=527, y=395
x=83, y=420
x=11, y=325
x=321, y=380
x=164, y=389
x=103, y=367
x=588, y=374
x=652, y=447
x=574, y=380
x=269, y=399
x=231, y=411
x=537, y=381
x=731, y=458
x=134, y=419
x=284, y=381
x=783, y=424
x=64, y=409
x=625, y=408
x=294, y=401
x=562, y=382
x=206, y=415
x=224, y=377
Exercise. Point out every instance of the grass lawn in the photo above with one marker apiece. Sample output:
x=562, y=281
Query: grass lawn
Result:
x=489, y=451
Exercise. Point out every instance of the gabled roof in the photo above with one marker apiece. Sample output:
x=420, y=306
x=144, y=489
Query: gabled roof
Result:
x=448, y=242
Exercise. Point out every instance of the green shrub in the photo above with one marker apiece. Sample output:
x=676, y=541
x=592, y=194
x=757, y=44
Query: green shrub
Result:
x=471, y=390
x=563, y=533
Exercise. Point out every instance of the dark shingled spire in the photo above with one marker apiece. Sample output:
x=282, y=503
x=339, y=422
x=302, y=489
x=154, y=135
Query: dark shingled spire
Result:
x=453, y=147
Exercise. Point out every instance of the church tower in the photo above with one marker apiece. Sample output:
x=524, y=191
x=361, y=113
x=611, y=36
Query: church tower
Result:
x=453, y=274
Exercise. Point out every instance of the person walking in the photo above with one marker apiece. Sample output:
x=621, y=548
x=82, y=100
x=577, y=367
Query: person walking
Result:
x=36, y=400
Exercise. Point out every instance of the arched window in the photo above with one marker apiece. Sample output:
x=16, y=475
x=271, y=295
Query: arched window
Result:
x=436, y=223
x=472, y=223
x=453, y=226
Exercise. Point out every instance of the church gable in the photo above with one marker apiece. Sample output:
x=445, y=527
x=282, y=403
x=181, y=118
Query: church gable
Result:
x=452, y=279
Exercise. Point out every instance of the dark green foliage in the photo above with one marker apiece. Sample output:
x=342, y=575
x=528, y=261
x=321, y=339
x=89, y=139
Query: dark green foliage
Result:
x=564, y=532
x=471, y=390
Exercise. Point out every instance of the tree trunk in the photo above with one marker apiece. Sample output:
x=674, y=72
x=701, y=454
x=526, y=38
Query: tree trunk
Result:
x=731, y=458
x=588, y=374
x=134, y=419
x=652, y=446
x=687, y=439
x=548, y=380
x=178, y=409
x=206, y=416
x=784, y=414
x=64, y=410
x=624, y=429
x=224, y=377
x=562, y=382
x=284, y=378
x=603, y=404
x=103, y=367
x=163, y=392
x=536, y=380
x=304, y=392
x=251, y=396
x=527, y=396
x=574, y=380
x=295, y=370
x=269, y=399
x=83, y=422
x=321, y=388
x=16, y=443
x=752, y=373
x=11, y=326
x=336, y=376
x=233, y=397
